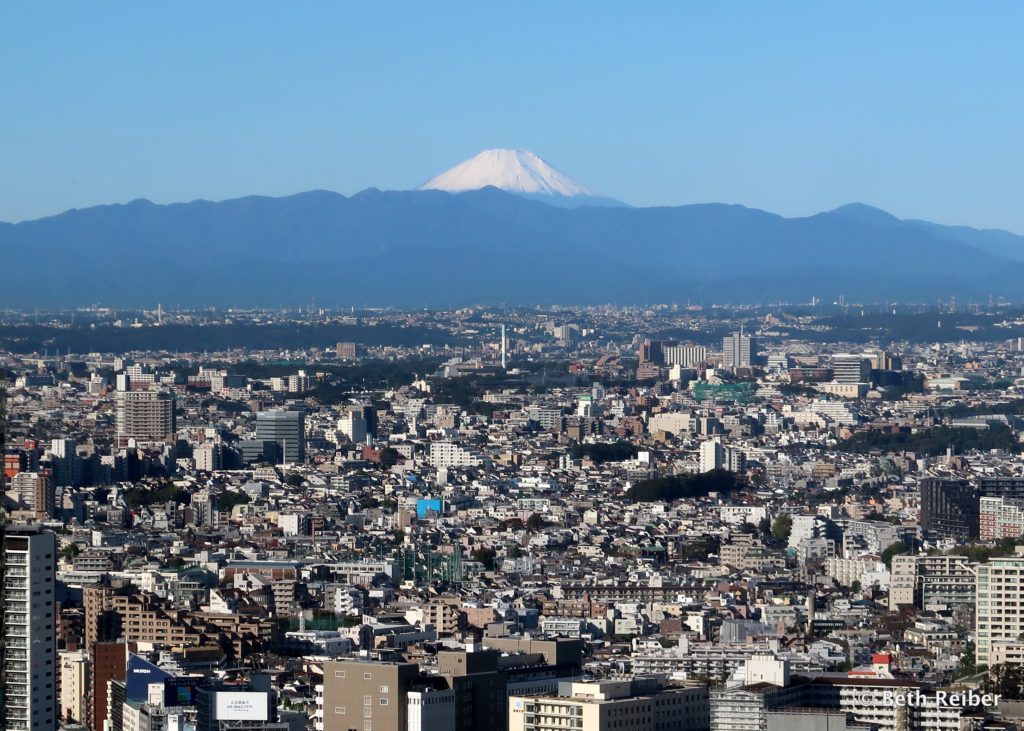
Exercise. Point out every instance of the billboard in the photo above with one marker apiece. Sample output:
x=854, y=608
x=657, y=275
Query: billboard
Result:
x=242, y=706
x=138, y=677
x=181, y=691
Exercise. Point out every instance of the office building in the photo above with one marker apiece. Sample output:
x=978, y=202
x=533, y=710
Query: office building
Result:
x=145, y=416
x=738, y=351
x=850, y=369
x=641, y=704
x=950, y=508
x=687, y=356
x=30, y=672
x=366, y=695
x=287, y=429
x=222, y=706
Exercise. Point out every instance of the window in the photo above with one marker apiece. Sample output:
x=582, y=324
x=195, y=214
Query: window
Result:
x=383, y=701
x=339, y=673
x=339, y=710
x=384, y=689
x=367, y=676
x=367, y=700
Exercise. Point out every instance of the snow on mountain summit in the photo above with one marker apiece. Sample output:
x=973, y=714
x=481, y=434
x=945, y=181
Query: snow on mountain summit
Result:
x=515, y=171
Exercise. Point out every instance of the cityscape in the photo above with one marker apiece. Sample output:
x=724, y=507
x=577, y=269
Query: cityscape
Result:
x=309, y=426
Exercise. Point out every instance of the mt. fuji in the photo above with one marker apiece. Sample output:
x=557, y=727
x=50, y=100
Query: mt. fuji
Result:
x=520, y=172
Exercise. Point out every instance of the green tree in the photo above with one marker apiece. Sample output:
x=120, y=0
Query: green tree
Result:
x=894, y=549
x=782, y=527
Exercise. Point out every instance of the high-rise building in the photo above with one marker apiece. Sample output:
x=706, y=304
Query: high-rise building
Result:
x=999, y=594
x=1000, y=517
x=848, y=368
x=738, y=350
x=939, y=582
x=108, y=664
x=209, y=457
x=347, y=351
x=72, y=707
x=950, y=508
x=67, y=467
x=29, y=648
x=35, y=492
x=285, y=428
x=712, y=456
x=353, y=424
x=688, y=356
x=145, y=416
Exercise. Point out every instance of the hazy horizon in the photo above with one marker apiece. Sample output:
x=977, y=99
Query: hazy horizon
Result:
x=791, y=109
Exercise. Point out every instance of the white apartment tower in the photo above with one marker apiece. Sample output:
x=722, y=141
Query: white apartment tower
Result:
x=712, y=456
x=29, y=626
x=998, y=618
x=353, y=424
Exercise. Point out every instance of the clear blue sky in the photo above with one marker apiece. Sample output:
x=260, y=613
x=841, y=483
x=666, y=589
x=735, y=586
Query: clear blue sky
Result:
x=917, y=108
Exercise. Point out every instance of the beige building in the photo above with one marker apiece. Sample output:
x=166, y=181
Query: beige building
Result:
x=72, y=706
x=931, y=581
x=640, y=704
x=365, y=695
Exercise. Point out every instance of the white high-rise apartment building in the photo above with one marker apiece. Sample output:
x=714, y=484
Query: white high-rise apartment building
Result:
x=712, y=456
x=1000, y=597
x=353, y=424
x=29, y=627
x=738, y=350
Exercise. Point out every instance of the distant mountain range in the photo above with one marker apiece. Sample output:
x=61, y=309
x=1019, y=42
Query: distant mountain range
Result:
x=434, y=248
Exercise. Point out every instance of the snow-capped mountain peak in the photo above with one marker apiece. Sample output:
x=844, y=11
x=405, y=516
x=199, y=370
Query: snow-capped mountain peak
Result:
x=515, y=171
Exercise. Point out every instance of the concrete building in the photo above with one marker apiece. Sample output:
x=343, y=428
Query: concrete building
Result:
x=950, y=508
x=72, y=707
x=29, y=626
x=998, y=617
x=449, y=454
x=932, y=582
x=847, y=368
x=146, y=416
x=712, y=456
x=1000, y=517
x=287, y=429
x=642, y=704
x=738, y=351
x=353, y=424
x=366, y=695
